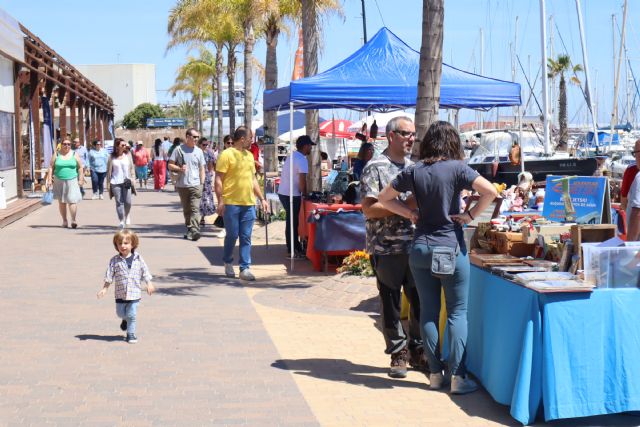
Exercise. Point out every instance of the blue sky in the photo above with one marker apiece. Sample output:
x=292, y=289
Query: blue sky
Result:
x=134, y=31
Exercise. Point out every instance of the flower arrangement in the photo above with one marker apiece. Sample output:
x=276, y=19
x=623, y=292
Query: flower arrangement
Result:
x=357, y=264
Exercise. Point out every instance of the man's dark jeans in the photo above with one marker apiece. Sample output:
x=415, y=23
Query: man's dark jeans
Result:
x=297, y=200
x=392, y=274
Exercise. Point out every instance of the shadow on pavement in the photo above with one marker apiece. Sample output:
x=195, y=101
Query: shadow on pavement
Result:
x=199, y=278
x=371, y=305
x=345, y=371
x=93, y=337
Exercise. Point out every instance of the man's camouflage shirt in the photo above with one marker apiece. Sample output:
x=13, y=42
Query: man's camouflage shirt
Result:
x=391, y=235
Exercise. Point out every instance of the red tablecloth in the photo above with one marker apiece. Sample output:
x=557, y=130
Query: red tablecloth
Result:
x=308, y=229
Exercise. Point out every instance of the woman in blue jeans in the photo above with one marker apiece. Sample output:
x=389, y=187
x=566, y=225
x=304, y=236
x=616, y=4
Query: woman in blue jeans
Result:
x=98, y=159
x=436, y=181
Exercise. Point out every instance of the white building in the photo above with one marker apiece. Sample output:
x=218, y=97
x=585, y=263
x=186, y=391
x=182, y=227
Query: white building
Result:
x=129, y=85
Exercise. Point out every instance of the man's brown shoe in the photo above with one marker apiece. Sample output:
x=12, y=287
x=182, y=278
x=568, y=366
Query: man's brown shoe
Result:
x=398, y=367
x=418, y=359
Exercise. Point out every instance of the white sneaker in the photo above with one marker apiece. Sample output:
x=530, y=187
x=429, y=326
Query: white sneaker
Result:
x=462, y=385
x=437, y=381
x=121, y=225
x=228, y=270
x=127, y=221
x=247, y=275
x=101, y=196
x=95, y=196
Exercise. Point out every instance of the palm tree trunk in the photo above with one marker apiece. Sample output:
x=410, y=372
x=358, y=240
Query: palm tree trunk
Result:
x=231, y=78
x=200, y=110
x=562, y=114
x=428, y=100
x=213, y=103
x=219, y=66
x=310, y=54
x=249, y=42
x=271, y=82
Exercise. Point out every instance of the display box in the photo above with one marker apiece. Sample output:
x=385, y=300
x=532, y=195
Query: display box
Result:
x=611, y=267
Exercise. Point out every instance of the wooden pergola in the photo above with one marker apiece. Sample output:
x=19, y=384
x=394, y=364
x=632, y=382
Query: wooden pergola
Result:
x=44, y=73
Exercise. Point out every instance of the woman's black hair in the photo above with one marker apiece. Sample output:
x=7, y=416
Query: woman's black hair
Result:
x=441, y=142
x=156, y=146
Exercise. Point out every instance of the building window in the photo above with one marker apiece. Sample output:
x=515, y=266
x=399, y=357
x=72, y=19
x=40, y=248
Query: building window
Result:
x=7, y=146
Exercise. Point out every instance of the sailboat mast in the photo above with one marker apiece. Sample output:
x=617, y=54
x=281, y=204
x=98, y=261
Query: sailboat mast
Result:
x=614, y=111
x=545, y=80
x=586, y=71
x=481, y=70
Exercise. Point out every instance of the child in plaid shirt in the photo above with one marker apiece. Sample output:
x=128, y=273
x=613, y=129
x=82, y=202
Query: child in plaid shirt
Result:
x=127, y=270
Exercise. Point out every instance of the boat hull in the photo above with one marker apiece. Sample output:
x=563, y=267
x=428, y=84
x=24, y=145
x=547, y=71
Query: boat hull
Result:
x=508, y=173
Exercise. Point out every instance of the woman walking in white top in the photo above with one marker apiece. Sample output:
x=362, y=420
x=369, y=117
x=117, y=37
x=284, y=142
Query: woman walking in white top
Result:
x=121, y=182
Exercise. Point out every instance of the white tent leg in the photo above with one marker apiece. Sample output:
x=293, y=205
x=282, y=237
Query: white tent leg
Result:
x=291, y=222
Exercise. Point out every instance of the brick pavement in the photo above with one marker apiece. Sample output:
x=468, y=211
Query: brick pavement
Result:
x=203, y=355
x=293, y=348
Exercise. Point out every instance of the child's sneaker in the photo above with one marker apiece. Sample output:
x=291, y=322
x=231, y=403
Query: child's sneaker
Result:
x=132, y=339
x=123, y=325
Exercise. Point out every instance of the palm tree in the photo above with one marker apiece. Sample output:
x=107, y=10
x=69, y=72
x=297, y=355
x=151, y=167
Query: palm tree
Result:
x=428, y=99
x=194, y=77
x=556, y=68
x=277, y=13
x=310, y=38
x=193, y=22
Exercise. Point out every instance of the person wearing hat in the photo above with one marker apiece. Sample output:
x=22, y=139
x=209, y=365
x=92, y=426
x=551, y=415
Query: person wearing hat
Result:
x=141, y=161
x=300, y=170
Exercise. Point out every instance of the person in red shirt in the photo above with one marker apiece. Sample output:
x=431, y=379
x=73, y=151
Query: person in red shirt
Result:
x=627, y=180
x=141, y=161
x=255, y=150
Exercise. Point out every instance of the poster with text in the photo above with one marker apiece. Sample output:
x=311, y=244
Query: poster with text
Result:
x=7, y=150
x=587, y=194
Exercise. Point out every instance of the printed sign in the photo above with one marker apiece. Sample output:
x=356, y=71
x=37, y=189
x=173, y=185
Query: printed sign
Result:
x=579, y=199
x=166, y=123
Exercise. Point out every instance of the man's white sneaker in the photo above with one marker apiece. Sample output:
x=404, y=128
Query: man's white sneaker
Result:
x=462, y=385
x=128, y=220
x=121, y=225
x=247, y=275
x=437, y=381
x=101, y=197
x=95, y=196
x=228, y=270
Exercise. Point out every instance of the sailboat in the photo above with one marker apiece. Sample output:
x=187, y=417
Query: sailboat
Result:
x=491, y=158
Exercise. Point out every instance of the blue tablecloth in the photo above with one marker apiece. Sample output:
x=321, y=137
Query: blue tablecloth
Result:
x=340, y=231
x=564, y=355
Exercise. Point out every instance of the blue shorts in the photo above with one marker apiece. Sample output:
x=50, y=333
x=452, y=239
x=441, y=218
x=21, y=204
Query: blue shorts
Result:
x=142, y=172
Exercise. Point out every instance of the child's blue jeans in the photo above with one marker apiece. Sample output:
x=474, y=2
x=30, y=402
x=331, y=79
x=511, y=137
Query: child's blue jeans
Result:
x=128, y=311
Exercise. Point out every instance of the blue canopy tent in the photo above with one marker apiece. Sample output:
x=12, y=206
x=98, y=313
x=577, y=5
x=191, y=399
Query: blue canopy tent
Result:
x=382, y=75
x=284, y=123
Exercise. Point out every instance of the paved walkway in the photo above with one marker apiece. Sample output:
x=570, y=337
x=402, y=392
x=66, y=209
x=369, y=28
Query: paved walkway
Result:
x=296, y=348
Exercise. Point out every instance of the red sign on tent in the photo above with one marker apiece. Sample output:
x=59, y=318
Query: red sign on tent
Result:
x=338, y=126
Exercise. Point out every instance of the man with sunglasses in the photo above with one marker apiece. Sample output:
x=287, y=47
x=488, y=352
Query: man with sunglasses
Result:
x=389, y=239
x=188, y=161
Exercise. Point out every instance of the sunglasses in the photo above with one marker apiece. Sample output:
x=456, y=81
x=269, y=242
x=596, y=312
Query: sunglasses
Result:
x=405, y=133
x=635, y=152
x=66, y=144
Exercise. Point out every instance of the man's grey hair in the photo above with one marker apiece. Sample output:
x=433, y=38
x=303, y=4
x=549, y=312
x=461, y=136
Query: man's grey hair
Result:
x=393, y=124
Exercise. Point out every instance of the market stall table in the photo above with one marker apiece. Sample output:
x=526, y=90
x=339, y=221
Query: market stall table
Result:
x=565, y=355
x=350, y=229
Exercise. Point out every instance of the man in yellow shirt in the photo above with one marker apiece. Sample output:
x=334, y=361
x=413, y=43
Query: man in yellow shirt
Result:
x=236, y=188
